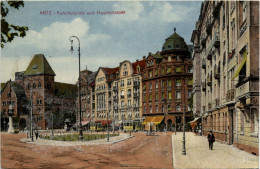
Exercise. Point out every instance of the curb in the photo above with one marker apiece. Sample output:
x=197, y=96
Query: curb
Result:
x=120, y=140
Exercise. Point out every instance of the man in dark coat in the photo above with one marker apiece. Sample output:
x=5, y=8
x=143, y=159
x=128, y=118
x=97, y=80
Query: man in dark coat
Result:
x=211, y=139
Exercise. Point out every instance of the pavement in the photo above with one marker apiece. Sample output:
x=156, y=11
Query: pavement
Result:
x=198, y=154
x=112, y=140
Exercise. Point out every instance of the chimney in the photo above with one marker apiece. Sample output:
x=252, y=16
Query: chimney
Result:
x=144, y=57
x=137, y=60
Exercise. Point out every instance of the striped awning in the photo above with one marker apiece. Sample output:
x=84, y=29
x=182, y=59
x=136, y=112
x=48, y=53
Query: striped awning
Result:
x=153, y=119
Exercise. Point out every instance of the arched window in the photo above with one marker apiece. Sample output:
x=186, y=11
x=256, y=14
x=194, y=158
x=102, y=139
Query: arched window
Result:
x=34, y=85
x=39, y=101
x=39, y=85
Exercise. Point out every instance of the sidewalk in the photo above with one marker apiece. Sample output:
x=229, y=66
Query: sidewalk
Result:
x=198, y=154
x=112, y=140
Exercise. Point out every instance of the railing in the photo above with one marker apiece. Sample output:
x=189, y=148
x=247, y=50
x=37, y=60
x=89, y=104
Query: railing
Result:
x=136, y=94
x=230, y=95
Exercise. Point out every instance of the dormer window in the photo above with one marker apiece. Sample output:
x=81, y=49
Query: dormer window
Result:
x=34, y=67
x=125, y=66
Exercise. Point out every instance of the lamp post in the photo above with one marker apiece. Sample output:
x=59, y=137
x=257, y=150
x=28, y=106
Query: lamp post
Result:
x=114, y=119
x=165, y=114
x=80, y=124
x=107, y=129
x=31, y=120
x=183, y=141
x=10, y=112
x=130, y=124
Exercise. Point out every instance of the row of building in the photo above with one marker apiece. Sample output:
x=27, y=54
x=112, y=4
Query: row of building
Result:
x=154, y=90
x=226, y=72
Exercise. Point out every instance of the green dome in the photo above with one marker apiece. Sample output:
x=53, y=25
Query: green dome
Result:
x=173, y=42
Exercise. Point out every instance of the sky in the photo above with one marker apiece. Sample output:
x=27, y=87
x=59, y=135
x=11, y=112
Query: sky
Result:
x=105, y=40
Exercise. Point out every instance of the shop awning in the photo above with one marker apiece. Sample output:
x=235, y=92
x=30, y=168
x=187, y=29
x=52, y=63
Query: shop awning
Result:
x=153, y=119
x=240, y=67
x=104, y=122
x=85, y=122
x=195, y=120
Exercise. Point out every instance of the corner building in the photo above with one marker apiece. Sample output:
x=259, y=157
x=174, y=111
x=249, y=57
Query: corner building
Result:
x=227, y=43
x=167, y=85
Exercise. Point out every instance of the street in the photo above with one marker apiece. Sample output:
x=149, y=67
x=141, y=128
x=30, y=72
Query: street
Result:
x=140, y=151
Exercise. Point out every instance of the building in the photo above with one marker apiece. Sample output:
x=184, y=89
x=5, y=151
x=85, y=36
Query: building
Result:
x=48, y=97
x=167, y=84
x=227, y=40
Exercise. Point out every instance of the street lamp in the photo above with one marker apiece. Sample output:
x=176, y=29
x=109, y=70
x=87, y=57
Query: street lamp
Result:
x=80, y=124
x=10, y=113
x=130, y=115
x=165, y=114
x=114, y=118
x=107, y=129
x=183, y=141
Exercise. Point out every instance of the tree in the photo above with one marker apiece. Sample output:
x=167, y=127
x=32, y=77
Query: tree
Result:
x=9, y=31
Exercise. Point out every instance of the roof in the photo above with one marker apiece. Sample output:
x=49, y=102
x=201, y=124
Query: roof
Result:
x=175, y=41
x=111, y=73
x=140, y=63
x=65, y=90
x=2, y=86
x=91, y=77
x=39, y=66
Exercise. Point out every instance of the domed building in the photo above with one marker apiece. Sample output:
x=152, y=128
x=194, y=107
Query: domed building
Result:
x=167, y=85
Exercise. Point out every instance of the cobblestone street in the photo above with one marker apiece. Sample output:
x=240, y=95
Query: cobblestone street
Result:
x=198, y=154
x=140, y=151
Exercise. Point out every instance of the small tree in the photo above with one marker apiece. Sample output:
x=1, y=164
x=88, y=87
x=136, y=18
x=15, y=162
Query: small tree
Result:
x=9, y=31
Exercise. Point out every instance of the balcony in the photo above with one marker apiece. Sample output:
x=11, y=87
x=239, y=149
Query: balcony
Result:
x=203, y=63
x=230, y=95
x=204, y=86
x=136, y=94
x=217, y=72
x=216, y=40
x=216, y=9
x=136, y=83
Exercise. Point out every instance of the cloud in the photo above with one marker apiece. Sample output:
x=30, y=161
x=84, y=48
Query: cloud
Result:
x=132, y=10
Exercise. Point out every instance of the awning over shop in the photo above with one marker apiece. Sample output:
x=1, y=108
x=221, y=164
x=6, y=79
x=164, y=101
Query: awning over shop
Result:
x=194, y=122
x=104, y=122
x=241, y=65
x=85, y=122
x=153, y=119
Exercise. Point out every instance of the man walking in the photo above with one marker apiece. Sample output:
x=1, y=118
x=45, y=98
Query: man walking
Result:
x=211, y=139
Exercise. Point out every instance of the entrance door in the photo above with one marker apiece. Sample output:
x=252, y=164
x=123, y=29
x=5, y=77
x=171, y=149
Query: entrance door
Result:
x=169, y=124
x=231, y=127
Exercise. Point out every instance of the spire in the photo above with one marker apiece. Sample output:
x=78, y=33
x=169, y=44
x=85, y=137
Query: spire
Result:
x=174, y=30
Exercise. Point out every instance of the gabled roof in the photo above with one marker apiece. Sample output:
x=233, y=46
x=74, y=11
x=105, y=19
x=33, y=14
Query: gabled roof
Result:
x=91, y=77
x=65, y=90
x=140, y=63
x=16, y=88
x=39, y=66
x=111, y=73
x=2, y=86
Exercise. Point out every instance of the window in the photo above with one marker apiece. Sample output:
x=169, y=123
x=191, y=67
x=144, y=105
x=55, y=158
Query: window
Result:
x=178, y=107
x=190, y=82
x=169, y=95
x=144, y=98
x=34, y=85
x=39, y=85
x=128, y=81
x=169, y=58
x=125, y=66
x=178, y=58
x=162, y=84
x=189, y=94
x=169, y=83
x=122, y=103
x=156, y=72
x=122, y=83
x=178, y=69
x=8, y=94
x=150, y=97
x=156, y=96
x=178, y=82
x=144, y=109
x=150, y=85
x=244, y=10
x=39, y=101
x=178, y=94
x=162, y=109
x=162, y=71
x=144, y=87
x=190, y=70
x=150, y=73
x=156, y=84
x=169, y=108
x=169, y=70
x=150, y=109
x=122, y=93
x=28, y=86
x=4, y=103
x=129, y=102
x=138, y=69
x=156, y=108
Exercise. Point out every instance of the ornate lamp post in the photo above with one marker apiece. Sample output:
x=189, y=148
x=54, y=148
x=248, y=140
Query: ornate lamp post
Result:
x=80, y=124
x=10, y=113
x=183, y=141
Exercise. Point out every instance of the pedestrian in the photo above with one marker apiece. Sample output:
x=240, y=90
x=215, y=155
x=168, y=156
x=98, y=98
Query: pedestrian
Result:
x=211, y=139
x=36, y=134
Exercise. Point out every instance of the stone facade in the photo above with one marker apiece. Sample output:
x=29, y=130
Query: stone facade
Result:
x=227, y=34
x=37, y=84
